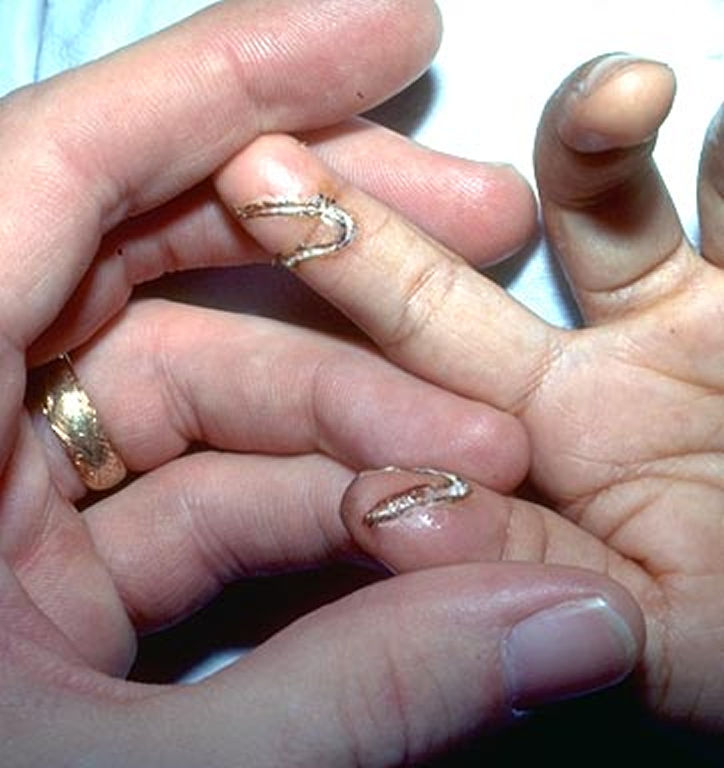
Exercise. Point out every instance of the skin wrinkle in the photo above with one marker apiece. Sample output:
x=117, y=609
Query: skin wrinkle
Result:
x=417, y=657
x=579, y=509
x=319, y=388
x=183, y=224
x=582, y=501
x=151, y=611
x=286, y=559
x=712, y=480
x=183, y=403
x=425, y=297
x=337, y=543
x=402, y=718
x=611, y=171
x=445, y=719
x=81, y=172
x=552, y=356
x=201, y=228
x=620, y=524
x=181, y=408
x=15, y=501
x=218, y=561
x=659, y=643
x=14, y=384
x=643, y=287
x=505, y=552
x=219, y=60
x=652, y=573
x=669, y=639
x=221, y=563
x=701, y=390
x=391, y=719
x=26, y=559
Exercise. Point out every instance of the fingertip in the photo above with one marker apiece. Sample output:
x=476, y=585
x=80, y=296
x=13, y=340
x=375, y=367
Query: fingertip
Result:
x=484, y=211
x=505, y=448
x=270, y=165
x=502, y=216
x=614, y=101
x=279, y=170
x=413, y=519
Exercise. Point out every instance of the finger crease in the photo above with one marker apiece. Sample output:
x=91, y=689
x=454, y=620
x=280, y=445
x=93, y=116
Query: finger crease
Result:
x=425, y=296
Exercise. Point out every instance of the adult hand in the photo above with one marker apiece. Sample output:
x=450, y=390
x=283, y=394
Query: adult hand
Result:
x=104, y=175
x=624, y=415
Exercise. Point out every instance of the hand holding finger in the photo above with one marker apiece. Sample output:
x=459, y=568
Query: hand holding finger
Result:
x=484, y=212
x=395, y=673
x=425, y=297
x=125, y=167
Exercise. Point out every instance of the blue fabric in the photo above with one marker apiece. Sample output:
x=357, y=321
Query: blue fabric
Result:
x=21, y=24
x=40, y=38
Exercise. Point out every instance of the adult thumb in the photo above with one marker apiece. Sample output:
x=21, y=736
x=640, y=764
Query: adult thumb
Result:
x=401, y=670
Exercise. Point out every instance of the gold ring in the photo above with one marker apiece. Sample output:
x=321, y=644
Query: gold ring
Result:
x=75, y=422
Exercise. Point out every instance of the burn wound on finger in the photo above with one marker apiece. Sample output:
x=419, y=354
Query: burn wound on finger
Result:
x=419, y=518
x=282, y=199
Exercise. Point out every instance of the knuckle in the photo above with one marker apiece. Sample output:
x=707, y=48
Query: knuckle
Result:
x=427, y=289
x=374, y=714
x=395, y=707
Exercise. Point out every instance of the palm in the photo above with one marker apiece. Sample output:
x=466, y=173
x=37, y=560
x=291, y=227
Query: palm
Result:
x=625, y=426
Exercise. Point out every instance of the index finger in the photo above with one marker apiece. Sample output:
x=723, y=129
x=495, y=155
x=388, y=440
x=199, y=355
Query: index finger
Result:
x=421, y=303
x=131, y=131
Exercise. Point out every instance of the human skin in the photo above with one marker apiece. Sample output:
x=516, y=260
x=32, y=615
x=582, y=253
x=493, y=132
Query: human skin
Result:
x=624, y=415
x=106, y=184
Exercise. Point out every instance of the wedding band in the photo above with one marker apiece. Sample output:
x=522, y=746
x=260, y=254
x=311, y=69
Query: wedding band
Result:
x=75, y=422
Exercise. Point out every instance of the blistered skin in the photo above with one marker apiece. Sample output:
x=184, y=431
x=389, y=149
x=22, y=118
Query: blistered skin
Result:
x=392, y=507
x=318, y=207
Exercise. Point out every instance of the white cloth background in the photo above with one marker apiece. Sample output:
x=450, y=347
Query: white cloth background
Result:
x=498, y=63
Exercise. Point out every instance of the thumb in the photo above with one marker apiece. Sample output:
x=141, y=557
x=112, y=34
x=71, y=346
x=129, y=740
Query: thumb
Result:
x=400, y=670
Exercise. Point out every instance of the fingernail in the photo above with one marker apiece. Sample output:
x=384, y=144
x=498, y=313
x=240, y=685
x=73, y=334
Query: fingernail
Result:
x=594, y=119
x=433, y=487
x=565, y=651
x=298, y=230
x=601, y=71
x=584, y=87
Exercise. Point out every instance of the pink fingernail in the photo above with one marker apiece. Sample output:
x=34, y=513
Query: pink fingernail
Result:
x=567, y=650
